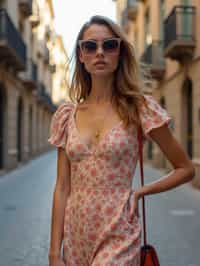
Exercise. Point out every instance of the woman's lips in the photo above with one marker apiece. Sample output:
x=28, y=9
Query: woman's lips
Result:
x=100, y=63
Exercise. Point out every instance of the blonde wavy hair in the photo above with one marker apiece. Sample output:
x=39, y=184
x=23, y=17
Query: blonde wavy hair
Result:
x=128, y=78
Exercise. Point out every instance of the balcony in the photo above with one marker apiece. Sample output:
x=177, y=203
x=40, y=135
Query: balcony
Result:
x=44, y=98
x=46, y=55
x=124, y=20
x=179, y=30
x=52, y=68
x=48, y=33
x=34, y=21
x=132, y=7
x=153, y=56
x=30, y=78
x=25, y=7
x=12, y=46
x=41, y=93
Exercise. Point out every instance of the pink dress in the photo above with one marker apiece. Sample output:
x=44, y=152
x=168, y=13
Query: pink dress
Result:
x=97, y=230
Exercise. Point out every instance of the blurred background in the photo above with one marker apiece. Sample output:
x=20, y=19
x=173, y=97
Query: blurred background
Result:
x=37, y=38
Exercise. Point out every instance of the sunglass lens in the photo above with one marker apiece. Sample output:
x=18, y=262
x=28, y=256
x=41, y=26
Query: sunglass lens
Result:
x=110, y=45
x=89, y=46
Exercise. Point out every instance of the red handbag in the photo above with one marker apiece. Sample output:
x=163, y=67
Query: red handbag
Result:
x=149, y=256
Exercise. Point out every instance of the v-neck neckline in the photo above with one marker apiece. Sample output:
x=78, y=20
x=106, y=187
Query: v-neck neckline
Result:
x=83, y=141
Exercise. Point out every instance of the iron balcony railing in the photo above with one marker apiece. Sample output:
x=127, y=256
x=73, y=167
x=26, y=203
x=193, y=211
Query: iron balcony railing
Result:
x=132, y=6
x=46, y=54
x=26, y=2
x=52, y=68
x=26, y=6
x=34, y=75
x=180, y=25
x=153, y=54
x=131, y=3
x=124, y=19
x=41, y=89
x=44, y=97
x=29, y=77
x=11, y=40
x=34, y=20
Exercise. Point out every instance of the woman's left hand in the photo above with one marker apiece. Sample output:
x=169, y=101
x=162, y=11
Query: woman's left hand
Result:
x=135, y=205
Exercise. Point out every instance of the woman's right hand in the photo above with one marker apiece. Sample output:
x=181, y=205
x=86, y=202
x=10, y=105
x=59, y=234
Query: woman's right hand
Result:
x=56, y=261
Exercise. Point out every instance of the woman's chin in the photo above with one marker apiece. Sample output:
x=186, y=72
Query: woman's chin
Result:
x=101, y=73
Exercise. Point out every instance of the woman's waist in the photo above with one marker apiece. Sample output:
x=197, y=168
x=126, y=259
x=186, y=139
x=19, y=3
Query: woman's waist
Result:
x=104, y=181
x=93, y=203
x=113, y=187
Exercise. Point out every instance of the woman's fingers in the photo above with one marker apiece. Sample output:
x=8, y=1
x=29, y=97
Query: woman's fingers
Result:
x=134, y=210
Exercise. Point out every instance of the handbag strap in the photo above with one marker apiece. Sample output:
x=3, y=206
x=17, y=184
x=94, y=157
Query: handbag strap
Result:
x=140, y=145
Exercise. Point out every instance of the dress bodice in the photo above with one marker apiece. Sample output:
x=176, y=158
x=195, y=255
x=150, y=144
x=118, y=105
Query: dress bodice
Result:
x=112, y=161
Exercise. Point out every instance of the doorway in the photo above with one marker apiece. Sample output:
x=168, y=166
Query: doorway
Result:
x=187, y=116
x=30, y=130
x=19, y=129
x=2, y=124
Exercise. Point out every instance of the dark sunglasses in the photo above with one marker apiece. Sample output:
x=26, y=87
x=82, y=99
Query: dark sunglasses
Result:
x=91, y=46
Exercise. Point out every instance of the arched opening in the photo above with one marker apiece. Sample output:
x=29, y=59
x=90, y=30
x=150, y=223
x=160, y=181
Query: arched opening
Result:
x=162, y=102
x=19, y=129
x=163, y=159
x=30, y=130
x=2, y=124
x=187, y=116
x=38, y=128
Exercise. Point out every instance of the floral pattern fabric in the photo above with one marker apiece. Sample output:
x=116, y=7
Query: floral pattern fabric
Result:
x=97, y=228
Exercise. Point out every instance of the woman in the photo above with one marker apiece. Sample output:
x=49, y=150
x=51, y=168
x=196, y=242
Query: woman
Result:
x=95, y=211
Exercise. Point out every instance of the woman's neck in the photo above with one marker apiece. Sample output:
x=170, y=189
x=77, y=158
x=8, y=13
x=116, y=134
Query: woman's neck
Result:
x=101, y=91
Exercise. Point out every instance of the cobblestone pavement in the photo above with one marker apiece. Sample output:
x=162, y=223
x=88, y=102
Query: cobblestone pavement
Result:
x=173, y=217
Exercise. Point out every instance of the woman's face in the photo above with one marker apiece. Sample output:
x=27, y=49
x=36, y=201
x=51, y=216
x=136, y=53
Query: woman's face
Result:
x=99, y=59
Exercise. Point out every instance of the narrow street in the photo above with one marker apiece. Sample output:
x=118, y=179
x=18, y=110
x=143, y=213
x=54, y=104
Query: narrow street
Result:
x=25, y=210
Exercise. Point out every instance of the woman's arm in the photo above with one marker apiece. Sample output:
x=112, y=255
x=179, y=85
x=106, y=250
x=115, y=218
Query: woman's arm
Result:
x=61, y=192
x=183, y=168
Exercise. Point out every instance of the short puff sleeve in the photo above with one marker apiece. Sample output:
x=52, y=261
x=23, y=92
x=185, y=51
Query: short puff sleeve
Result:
x=152, y=115
x=59, y=123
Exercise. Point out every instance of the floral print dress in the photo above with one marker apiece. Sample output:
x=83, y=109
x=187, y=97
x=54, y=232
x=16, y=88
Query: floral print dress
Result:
x=97, y=228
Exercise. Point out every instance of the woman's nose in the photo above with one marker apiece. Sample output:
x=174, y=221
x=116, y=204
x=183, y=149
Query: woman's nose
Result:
x=99, y=49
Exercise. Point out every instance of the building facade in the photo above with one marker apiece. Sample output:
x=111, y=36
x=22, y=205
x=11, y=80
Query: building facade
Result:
x=26, y=79
x=165, y=35
x=61, y=75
